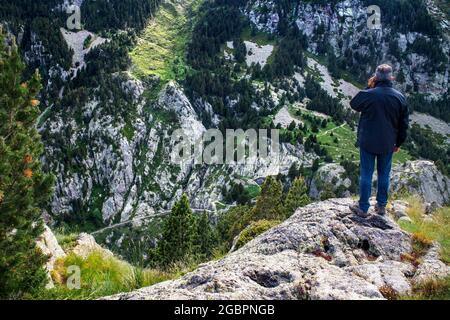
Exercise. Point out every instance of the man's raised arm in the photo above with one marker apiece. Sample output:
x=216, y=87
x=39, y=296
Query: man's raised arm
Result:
x=359, y=102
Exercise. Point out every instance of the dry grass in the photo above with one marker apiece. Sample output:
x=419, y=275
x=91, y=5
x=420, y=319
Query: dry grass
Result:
x=434, y=289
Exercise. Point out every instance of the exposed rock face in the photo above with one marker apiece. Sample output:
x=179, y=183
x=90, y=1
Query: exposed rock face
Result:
x=321, y=252
x=86, y=244
x=424, y=179
x=50, y=247
x=331, y=175
x=437, y=125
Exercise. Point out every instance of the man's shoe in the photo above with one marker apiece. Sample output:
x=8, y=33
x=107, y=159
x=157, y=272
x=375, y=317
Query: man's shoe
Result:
x=380, y=210
x=357, y=210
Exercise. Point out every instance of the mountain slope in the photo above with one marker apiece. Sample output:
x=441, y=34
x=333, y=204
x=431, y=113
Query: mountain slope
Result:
x=107, y=119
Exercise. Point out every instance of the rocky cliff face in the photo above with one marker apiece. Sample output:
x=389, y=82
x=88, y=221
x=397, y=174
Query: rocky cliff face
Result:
x=424, y=179
x=129, y=175
x=321, y=252
x=343, y=25
x=419, y=177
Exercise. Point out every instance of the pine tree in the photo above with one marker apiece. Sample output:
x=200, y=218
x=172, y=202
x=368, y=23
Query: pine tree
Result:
x=231, y=223
x=178, y=233
x=24, y=188
x=269, y=204
x=205, y=237
x=297, y=197
x=293, y=171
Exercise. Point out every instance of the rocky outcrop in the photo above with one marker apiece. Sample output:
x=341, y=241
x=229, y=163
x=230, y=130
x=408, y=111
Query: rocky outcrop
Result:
x=50, y=247
x=424, y=179
x=321, y=252
x=86, y=244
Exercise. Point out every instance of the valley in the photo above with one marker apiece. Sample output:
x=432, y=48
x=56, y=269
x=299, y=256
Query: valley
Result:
x=114, y=92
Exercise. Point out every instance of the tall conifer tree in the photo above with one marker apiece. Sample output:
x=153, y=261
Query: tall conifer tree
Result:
x=178, y=233
x=269, y=204
x=297, y=197
x=24, y=188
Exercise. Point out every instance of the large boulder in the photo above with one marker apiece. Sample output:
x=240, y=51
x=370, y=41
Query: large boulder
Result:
x=86, y=244
x=49, y=246
x=422, y=178
x=321, y=252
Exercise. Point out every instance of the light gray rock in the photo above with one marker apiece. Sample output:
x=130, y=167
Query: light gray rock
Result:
x=49, y=246
x=345, y=25
x=86, y=244
x=399, y=209
x=431, y=267
x=321, y=252
x=424, y=179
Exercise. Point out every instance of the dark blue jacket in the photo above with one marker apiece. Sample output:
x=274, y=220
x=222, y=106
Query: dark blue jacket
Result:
x=384, y=119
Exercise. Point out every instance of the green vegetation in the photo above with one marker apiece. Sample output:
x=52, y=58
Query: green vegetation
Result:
x=161, y=48
x=270, y=209
x=100, y=15
x=24, y=187
x=437, y=108
x=424, y=143
x=253, y=190
x=184, y=237
x=424, y=232
x=269, y=204
x=259, y=37
x=433, y=289
x=254, y=230
x=339, y=141
x=101, y=275
x=436, y=229
x=406, y=16
x=297, y=197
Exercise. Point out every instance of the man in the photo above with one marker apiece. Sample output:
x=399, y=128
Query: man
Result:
x=382, y=130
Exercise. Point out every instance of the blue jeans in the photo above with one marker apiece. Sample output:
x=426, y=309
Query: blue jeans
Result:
x=384, y=164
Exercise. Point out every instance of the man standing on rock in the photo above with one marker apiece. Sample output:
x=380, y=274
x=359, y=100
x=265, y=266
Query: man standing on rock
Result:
x=382, y=129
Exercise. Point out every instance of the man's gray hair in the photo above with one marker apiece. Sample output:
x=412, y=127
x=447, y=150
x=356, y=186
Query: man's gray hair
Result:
x=384, y=72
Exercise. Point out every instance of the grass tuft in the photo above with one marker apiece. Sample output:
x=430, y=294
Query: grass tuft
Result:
x=433, y=289
x=436, y=227
x=101, y=275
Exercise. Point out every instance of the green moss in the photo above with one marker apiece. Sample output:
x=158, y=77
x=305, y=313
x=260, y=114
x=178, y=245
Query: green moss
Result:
x=259, y=37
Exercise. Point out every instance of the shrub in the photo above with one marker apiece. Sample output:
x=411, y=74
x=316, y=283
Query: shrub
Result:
x=253, y=230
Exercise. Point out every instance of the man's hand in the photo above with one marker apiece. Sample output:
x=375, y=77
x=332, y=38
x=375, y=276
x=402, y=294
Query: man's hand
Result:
x=372, y=82
x=396, y=149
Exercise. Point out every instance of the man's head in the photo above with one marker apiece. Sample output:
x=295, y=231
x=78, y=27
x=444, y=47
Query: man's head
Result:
x=384, y=73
